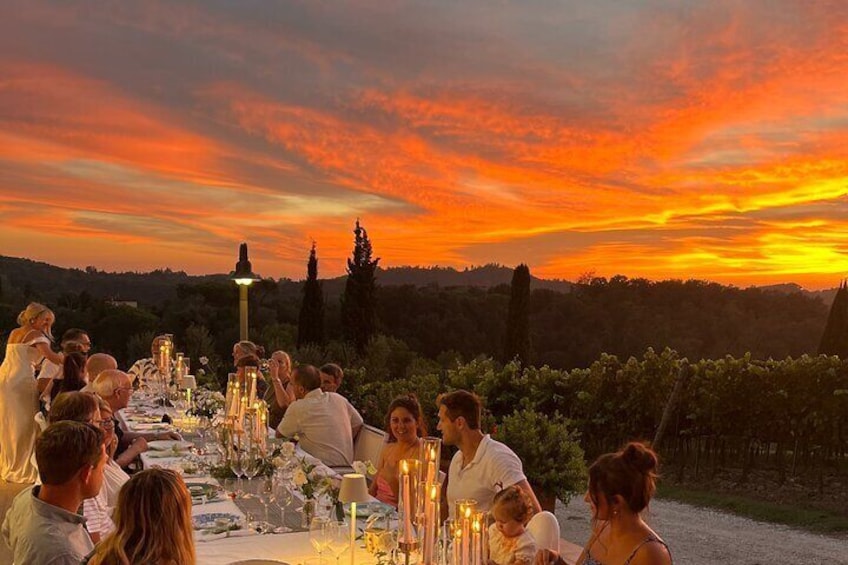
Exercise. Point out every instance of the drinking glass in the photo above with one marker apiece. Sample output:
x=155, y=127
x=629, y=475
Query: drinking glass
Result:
x=282, y=498
x=339, y=535
x=319, y=535
x=252, y=465
x=237, y=462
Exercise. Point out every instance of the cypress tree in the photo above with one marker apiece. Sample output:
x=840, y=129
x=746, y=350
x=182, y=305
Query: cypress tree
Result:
x=310, y=322
x=359, y=317
x=834, y=340
x=518, y=318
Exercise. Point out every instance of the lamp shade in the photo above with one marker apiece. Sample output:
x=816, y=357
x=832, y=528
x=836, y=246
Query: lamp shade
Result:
x=243, y=274
x=353, y=489
x=188, y=382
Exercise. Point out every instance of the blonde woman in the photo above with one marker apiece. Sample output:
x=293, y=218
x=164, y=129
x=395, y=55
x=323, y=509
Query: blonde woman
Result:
x=28, y=345
x=152, y=523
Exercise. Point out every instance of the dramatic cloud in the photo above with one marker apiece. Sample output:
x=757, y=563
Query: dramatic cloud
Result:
x=653, y=139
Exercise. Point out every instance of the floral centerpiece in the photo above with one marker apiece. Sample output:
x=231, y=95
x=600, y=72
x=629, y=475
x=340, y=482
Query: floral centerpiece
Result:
x=207, y=403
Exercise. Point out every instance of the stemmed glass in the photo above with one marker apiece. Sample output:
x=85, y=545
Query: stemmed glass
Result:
x=282, y=497
x=252, y=465
x=339, y=538
x=319, y=535
x=237, y=464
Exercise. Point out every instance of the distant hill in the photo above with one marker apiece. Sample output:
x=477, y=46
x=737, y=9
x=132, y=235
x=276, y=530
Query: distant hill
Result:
x=826, y=296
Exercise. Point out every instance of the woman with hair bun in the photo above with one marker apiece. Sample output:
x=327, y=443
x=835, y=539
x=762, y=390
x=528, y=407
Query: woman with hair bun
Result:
x=621, y=486
x=27, y=346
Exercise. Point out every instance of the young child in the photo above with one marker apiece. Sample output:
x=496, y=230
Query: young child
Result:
x=509, y=542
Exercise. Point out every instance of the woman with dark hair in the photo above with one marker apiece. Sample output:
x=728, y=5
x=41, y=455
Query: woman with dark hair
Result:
x=405, y=427
x=74, y=376
x=621, y=486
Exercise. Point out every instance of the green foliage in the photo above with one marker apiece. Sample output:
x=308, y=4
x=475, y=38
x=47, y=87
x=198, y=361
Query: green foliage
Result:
x=517, y=343
x=834, y=340
x=310, y=328
x=550, y=451
x=359, y=317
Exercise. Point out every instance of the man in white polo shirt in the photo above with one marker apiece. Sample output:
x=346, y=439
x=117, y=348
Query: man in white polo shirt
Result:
x=482, y=466
x=325, y=422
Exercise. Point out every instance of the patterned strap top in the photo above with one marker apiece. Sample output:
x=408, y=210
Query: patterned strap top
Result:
x=650, y=539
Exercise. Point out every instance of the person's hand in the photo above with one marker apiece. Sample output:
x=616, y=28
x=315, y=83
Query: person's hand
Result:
x=274, y=368
x=138, y=446
x=173, y=435
x=112, y=447
x=546, y=557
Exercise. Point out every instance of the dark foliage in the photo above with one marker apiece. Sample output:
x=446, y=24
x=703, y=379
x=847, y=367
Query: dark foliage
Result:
x=359, y=316
x=310, y=322
x=517, y=344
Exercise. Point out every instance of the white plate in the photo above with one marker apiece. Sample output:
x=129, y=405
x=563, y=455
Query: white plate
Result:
x=215, y=520
x=169, y=445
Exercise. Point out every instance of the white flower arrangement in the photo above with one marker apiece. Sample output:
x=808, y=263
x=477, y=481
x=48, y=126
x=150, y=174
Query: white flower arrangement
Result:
x=365, y=468
x=208, y=403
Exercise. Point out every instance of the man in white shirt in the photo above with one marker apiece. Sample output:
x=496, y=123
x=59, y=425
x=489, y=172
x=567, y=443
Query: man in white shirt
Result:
x=325, y=422
x=482, y=466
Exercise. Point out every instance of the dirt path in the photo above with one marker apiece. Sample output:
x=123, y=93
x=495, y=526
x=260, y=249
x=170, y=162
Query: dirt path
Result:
x=705, y=537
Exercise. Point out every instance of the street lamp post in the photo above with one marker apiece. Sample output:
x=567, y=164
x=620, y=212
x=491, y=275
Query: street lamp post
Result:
x=243, y=277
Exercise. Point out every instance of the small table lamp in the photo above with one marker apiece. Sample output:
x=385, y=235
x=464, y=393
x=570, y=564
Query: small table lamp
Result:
x=353, y=490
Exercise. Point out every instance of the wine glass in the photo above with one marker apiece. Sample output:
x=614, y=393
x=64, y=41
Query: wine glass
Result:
x=252, y=465
x=282, y=498
x=339, y=538
x=237, y=463
x=319, y=535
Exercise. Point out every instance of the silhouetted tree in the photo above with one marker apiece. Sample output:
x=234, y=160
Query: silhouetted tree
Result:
x=310, y=322
x=834, y=340
x=359, y=319
x=517, y=342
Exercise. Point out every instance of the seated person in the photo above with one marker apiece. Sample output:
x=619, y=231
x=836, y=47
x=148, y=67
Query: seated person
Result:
x=98, y=510
x=331, y=377
x=281, y=392
x=405, y=428
x=115, y=387
x=74, y=376
x=73, y=340
x=324, y=422
x=482, y=466
x=146, y=368
x=509, y=542
x=42, y=526
x=152, y=523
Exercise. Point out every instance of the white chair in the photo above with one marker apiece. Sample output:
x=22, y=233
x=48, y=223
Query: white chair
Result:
x=544, y=528
x=367, y=446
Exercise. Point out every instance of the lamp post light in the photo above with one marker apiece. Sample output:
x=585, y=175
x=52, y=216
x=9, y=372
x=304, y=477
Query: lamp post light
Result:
x=243, y=277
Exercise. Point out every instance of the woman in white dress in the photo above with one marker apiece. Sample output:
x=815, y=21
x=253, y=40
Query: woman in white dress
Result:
x=27, y=346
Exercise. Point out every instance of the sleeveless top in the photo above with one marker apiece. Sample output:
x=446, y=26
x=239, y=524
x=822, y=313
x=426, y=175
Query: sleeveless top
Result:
x=385, y=492
x=650, y=539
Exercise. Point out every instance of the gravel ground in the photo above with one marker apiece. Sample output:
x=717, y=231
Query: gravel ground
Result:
x=700, y=536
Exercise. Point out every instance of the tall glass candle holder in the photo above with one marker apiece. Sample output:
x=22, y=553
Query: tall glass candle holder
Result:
x=479, y=539
x=409, y=473
x=466, y=509
x=430, y=523
x=430, y=456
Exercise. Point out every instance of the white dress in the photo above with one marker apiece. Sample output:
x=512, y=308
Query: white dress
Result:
x=18, y=406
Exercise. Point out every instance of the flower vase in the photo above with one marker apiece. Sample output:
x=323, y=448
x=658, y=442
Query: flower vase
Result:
x=339, y=511
x=308, y=512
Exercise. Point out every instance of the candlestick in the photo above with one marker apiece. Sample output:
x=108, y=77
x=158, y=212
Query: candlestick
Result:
x=250, y=374
x=431, y=523
x=465, y=510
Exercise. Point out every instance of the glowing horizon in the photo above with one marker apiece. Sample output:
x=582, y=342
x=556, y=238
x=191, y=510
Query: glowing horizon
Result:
x=663, y=141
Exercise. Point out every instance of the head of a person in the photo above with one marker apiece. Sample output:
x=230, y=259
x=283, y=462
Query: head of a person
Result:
x=404, y=421
x=511, y=509
x=98, y=363
x=107, y=424
x=622, y=482
x=75, y=406
x=75, y=339
x=74, y=374
x=459, y=412
x=37, y=317
x=70, y=455
x=283, y=358
x=305, y=379
x=152, y=522
x=156, y=344
x=331, y=377
x=244, y=348
x=115, y=387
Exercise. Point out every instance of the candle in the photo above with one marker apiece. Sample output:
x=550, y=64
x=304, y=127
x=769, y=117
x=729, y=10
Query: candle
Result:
x=431, y=466
x=407, y=503
x=477, y=548
x=431, y=523
x=188, y=397
x=457, y=545
x=466, y=536
x=251, y=372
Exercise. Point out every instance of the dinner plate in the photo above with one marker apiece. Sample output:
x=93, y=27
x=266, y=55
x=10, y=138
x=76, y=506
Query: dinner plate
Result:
x=365, y=510
x=169, y=445
x=216, y=521
x=199, y=490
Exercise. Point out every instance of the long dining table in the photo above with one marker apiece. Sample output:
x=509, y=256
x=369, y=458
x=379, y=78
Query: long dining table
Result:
x=243, y=544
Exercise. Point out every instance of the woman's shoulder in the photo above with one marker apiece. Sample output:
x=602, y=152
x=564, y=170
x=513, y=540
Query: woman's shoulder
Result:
x=652, y=551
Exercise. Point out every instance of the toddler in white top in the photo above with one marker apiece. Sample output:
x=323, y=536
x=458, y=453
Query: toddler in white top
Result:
x=509, y=542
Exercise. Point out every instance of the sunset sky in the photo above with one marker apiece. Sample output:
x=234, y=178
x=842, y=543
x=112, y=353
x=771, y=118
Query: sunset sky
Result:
x=659, y=139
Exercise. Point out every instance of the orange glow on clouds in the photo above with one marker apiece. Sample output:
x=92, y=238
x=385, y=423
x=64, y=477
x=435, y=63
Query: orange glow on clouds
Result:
x=577, y=137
